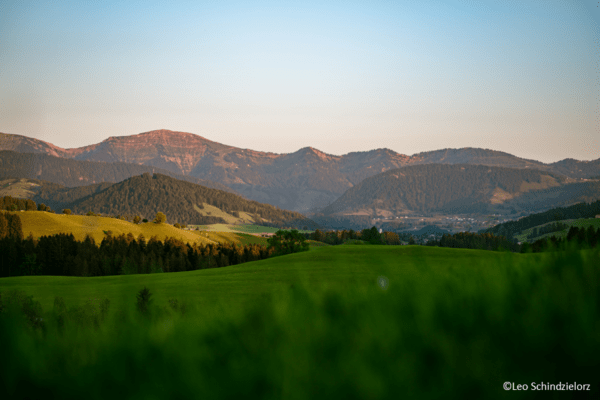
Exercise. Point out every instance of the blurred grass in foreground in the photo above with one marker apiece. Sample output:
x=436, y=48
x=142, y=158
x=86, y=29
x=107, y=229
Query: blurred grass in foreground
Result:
x=431, y=334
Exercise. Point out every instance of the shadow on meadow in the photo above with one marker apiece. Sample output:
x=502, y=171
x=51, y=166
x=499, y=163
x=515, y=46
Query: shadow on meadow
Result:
x=410, y=338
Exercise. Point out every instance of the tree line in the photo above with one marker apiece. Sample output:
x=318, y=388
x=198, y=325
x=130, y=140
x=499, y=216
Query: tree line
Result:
x=466, y=240
x=582, y=237
x=10, y=226
x=471, y=240
x=62, y=255
x=542, y=230
x=370, y=235
x=10, y=203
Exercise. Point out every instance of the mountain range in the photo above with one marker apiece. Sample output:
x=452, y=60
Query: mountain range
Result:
x=306, y=180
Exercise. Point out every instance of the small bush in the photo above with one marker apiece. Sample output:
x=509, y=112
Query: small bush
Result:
x=177, y=306
x=144, y=300
x=160, y=218
x=60, y=311
x=17, y=302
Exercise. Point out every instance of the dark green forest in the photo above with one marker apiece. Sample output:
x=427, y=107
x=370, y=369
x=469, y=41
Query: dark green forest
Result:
x=62, y=255
x=470, y=240
x=576, y=211
x=465, y=240
x=59, y=197
x=553, y=227
x=580, y=237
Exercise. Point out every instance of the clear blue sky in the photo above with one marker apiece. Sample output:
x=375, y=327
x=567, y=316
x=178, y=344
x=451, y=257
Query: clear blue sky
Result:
x=517, y=76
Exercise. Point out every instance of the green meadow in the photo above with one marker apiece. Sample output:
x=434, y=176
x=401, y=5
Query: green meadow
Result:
x=240, y=228
x=342, y=321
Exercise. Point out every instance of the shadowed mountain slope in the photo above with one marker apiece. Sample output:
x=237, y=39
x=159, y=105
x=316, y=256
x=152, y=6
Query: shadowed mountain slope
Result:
x=457, y=189
x=73, y=173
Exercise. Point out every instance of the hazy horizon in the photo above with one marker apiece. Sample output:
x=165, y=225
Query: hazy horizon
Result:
x=280, y=76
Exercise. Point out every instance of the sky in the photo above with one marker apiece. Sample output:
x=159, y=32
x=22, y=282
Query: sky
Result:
x=516, y=76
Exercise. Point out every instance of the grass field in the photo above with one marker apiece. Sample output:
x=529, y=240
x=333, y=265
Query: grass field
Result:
x=253, y=229
x=213, y=211
x=241, y=228
x=41, y=223
x=245, y=238
x=335, y=322
x=580, y=223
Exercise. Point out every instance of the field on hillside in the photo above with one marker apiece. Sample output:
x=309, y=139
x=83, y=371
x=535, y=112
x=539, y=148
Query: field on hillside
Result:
x=41, y=223
x=335, y=322
x=19, y=188
x=242, y=228
x=213, y=211
x=580, y=223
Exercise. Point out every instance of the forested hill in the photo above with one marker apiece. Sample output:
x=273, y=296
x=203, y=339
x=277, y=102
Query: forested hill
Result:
x=459, y=188
x=581, y=210
x=58, y=197
x=72, y=173
x=147, y=194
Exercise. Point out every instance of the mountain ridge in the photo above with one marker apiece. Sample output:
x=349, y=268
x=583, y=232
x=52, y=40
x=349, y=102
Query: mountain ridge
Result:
x=307, y=179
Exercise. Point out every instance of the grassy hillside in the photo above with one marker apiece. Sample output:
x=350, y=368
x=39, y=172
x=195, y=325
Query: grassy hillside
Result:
x=327, y=266
x=41, y=223
x=20, y=188
x=208, y=210
x=579, y=223
x=249, y=229
x=335, y=322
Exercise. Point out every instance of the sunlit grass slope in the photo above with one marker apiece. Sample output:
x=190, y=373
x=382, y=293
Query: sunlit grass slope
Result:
x=351, y=322
x=213, y=211
x=41, y=223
